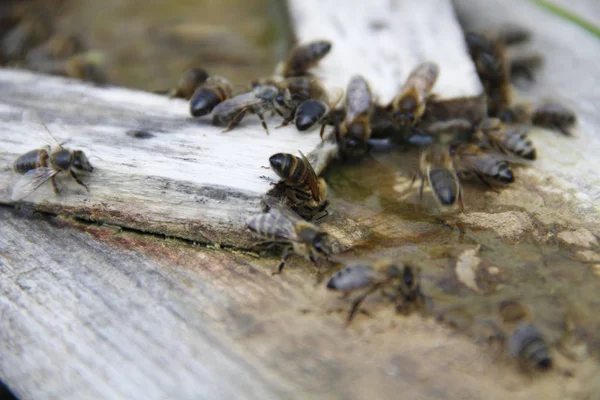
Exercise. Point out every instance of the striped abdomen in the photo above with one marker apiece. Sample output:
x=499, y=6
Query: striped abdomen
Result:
x=31, y=160
x=444, y=186
x=515, y=142
x=527, y=343
x=207, y=97
x=290, y=168
x=272, y=226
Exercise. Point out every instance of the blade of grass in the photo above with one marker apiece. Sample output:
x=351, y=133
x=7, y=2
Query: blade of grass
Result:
x=568, y=15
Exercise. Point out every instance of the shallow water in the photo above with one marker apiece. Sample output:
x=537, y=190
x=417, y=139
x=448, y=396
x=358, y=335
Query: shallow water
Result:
x=559, y=290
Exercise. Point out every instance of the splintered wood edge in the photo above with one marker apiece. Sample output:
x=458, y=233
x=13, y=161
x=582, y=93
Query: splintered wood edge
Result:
x=385, y=40
x=188, y=180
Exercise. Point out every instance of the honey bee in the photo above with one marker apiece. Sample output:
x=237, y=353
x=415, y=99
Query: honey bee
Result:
x=527, y=344
x=304, y=57
x=507, y=140
x=259, y=101
x=304, y=189
x=38, y=166
x=436, y=168
x=409, y=105
x=471, y=161
x=488, y=54
x=355, y=130
x=301, y=89
x=280, y=224
x=369, y=277
x=188, y=83
x=208, y=95
x=554, y=115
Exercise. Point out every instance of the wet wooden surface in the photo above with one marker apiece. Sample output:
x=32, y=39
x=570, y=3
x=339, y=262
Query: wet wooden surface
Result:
x=94, y=311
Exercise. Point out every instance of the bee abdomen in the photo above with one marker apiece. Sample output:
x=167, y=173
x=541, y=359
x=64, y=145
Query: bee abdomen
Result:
x=444, y=185
x=203, y=101
x=527, y=343
x=521, y=145
x=350, y=278
x=288, y=167
x=309, y=113
x=31, y=160
x=502, y=172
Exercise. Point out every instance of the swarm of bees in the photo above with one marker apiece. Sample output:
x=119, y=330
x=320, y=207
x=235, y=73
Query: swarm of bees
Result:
x=290, y=212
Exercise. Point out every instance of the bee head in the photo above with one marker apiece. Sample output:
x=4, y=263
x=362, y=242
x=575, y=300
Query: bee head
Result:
x=320, y=48
x=81, y=162
x=322, y=244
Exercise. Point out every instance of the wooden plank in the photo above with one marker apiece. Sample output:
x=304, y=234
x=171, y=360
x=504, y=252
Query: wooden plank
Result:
x=95, y=312
x=384, y=40
x=90, y=312
x=206, y=180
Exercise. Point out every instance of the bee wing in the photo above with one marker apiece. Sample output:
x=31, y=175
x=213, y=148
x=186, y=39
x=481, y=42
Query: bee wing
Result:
x=39, y=128
x=355, y=277
x=358, y=97
x=30, y=181
x=236, y=103
x=276, y=222
x=312, y=181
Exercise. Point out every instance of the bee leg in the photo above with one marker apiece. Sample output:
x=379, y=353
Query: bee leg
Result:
x=421, y=190
x=54, y=185
x=322, y=131
x=322, y=216
x=284, y=123
x=461, y=202
x=286, y=255
x=78, y=181
x=357, y=304
x=262, y=121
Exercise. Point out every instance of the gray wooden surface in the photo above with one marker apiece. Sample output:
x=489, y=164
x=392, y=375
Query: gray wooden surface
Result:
x=91, y=311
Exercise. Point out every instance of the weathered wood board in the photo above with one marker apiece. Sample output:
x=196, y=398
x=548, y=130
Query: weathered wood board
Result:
x=93, y=312
x=96, y=313
x=189, y=180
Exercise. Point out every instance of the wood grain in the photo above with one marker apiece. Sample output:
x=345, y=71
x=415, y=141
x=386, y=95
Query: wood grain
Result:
x=91, y=312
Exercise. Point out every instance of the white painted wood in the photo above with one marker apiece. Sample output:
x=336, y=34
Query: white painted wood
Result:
x=384, y=39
